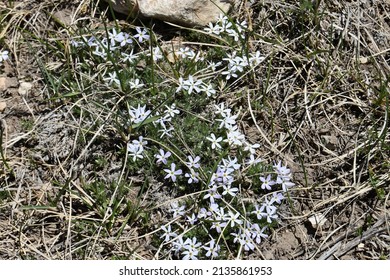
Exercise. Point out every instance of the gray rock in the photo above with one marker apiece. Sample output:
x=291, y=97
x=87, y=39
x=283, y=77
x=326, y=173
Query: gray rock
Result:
x=183, y=12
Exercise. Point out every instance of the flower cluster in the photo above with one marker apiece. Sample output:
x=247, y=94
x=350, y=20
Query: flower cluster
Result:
x=172, y=173
x=165, y=120
x=123, y=44
x=246, y=230
x=215, y=214
x=234, y=137
x=139, y=114
x=113, y=41
x=189, y=249
x=236, y=64
x=136, y=148
x=187, y=53
x=191, y=85
x=225, y=26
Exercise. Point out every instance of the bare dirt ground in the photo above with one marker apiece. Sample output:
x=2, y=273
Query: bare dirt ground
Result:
x=329, y=108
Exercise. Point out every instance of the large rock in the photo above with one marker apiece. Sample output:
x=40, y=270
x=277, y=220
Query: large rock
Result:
x=184, y=12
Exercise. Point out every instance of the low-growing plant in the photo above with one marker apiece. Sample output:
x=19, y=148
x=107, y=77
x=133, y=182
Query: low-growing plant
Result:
x=175, y=122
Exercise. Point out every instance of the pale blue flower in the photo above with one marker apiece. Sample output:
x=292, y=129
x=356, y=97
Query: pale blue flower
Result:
x=139, y=114
x=165, y=130
x=163, y=156
x=228, y=189
x=234, y=219
x=171, y=110
x=257, y=233
x=228, y=120
x=286, y=185
x=192, y=247
x=129, y=57
x=192, y=85
x=218, y=224
x=256, y=58
x=252, y=160
x=212, y=194
x=192, y=177
x=259, y=212
x=140, y=142
x=190, y=255
x=156, y=54
x=112, y=79
x=213, y=29
x=277, y=197
x=225, y=175
x=142, y=34
x=192, y=244
x=135, y=151
x=214, y=141
x=193, y=162
x=212, y=249
x=178, y=244
x=192, y=219
x=267, y=182
x=4, y=56
x=168, y=234
x=204, y=213
x=136, y=84
x=251, y=147
x=231, y=163
x=172, y=173
x=176, y=209
x=209, y=90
